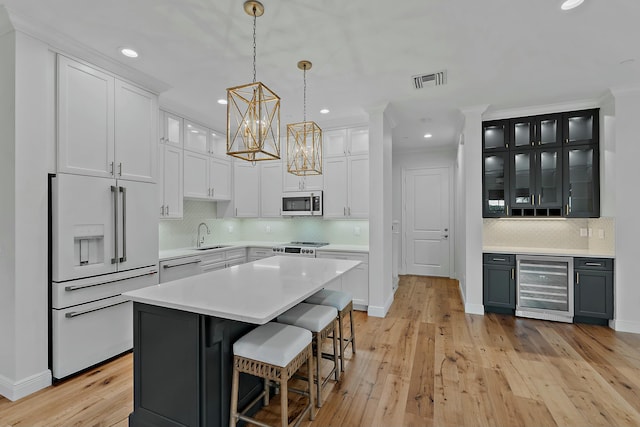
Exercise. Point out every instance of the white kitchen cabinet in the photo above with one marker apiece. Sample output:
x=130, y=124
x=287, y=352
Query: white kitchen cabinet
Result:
x=106, y=127
x=217, y=143
x=293, y=182
x=246, y=189
x=220, y=178
x=172, y=128
x=355, y=281
x=196, y=138
x=346, y=187
x=170, y=181
x=256, y=253
x=345, y=142
x=196, y=175
x=270, y=189
x=136, y=125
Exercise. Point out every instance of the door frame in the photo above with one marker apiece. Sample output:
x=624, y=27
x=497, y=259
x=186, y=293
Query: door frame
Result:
x=403, y=239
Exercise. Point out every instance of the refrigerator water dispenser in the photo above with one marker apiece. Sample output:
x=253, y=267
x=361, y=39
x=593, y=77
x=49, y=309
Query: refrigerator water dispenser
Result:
x=88, y=245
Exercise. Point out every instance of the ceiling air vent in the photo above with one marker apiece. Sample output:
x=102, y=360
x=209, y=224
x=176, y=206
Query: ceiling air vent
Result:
x=426, y=80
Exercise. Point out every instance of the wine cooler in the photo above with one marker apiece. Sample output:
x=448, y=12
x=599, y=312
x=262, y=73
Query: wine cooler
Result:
x=544, y=287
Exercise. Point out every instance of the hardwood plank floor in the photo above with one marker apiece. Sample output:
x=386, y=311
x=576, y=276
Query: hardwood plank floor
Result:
x=426, y=364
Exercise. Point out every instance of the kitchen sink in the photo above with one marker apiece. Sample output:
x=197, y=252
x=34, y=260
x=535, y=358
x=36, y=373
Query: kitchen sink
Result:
x=206, y=248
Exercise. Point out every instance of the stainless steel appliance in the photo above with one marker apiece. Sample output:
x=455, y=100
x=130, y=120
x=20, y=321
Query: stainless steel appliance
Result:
x=544, y=288
x=306, y=249
x=302, y=204
x=104, y=241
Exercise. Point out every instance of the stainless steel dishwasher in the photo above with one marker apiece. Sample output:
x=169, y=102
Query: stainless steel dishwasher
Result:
x=544, y=287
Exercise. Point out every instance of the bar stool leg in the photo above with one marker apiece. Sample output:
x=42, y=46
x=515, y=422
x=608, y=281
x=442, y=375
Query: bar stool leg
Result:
x=335, y=351
x=312, y=414
x=284, y=402
x=233, y=419
x=353, y=332
x=318, y=359
x=342, y=345
x=266, y=392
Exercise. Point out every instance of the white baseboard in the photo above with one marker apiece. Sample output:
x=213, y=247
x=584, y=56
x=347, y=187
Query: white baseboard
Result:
x=377, y=311
x=625, y=326
x=17, y=390
x=470, y=308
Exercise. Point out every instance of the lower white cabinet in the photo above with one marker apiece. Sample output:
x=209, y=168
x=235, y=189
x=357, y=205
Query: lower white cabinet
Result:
x=256, y=253
x=204, y=262
x=355, y=281
x=170, y=183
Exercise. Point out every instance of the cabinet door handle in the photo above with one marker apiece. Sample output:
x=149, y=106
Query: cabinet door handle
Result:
x=498, y=259
x=123, y=258
x=593, y=264
x=167, y=210
x=506, y=145
x=114, y=190
x=73, y=314
x=111, y=168
x=349, y=210
x=539, y=198
x=513, y=274
x=120, y=168
x=533, y=143
x=566, y=209
x=566, y=141
x=162, y=210
x=344, y=211
x=577, y=278
x=507, y=210
x=212, y=193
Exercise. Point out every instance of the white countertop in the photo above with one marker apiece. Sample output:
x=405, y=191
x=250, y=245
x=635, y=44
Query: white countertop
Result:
x=254, y=292
x=168, y=254
x=546, y=251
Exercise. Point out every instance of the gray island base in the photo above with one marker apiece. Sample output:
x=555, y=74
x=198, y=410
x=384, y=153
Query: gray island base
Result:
x=184, y=333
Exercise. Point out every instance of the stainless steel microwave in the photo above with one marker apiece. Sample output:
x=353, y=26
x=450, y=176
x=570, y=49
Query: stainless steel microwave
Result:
x=302, y=204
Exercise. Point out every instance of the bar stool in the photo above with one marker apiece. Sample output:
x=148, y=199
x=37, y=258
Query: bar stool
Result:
x=343, y=302
x=321, y=321
x=273, y=351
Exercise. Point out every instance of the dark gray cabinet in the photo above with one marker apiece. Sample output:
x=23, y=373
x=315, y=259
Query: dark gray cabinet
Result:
x=499, y=283
x=593, y=290
x=542, y=166
x=182, y=368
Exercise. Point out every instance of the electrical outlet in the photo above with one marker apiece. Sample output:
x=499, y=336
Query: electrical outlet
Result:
x=583, y=232
x=356, y=231
x=590, y=232
x=267, y=228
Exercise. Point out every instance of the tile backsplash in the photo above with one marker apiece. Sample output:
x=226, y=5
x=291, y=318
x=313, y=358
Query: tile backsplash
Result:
x=183, y=233
x=551, y=233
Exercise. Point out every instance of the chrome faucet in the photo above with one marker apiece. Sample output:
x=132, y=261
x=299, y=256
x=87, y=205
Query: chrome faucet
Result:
x=201, y=239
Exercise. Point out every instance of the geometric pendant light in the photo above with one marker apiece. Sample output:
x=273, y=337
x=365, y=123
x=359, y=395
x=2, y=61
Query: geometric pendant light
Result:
x=304, y=140
x=253, y=112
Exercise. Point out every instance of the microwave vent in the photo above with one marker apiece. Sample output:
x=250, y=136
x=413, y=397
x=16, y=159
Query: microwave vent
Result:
x=429, y=80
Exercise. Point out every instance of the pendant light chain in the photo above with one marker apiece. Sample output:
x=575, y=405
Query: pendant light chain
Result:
x=254, y=43
x=305, y=94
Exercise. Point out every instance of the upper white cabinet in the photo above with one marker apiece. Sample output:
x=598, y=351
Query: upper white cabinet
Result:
x=270, y=189
x=196, y=138
x=170, y=183
x=345, y=142
x=106, y=127
x=172, y=128
x=196, y=175
x=246, y=189
x=219, y=178
x=346, y=173
x=291, y=182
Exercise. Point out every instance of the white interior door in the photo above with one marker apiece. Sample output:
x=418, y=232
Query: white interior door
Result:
x=426, y=221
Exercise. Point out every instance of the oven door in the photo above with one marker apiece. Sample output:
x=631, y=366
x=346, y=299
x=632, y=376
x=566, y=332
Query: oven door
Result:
x=302, y=204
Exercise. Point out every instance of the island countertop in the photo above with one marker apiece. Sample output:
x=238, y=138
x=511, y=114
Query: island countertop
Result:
x=255, y=292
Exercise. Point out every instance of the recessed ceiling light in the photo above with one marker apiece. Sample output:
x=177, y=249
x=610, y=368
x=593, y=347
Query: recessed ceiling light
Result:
x=222, y=101
x=324, y=111
x=570, y=4
x=427, y=135
x=128, y=52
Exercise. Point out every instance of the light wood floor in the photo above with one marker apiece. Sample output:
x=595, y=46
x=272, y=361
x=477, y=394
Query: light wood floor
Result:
x=426, y=364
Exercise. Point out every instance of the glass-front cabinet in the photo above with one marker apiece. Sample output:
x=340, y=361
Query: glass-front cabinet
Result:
x=495, y=168
x=542, y=166
x=581, y=186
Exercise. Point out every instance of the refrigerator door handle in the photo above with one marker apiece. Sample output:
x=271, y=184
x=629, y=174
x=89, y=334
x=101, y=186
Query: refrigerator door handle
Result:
x=123, y=190
x=114, y=190
x=73, y=314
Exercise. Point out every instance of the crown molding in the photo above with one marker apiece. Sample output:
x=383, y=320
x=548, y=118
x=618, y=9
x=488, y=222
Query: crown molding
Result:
x=61, y=43
x=541, y=109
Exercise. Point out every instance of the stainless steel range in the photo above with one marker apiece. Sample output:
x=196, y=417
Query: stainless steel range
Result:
x=306, y=249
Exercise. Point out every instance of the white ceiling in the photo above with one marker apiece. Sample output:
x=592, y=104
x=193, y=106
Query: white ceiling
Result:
x=504, y=53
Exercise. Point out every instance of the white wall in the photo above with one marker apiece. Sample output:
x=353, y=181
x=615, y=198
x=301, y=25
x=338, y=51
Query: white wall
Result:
x=426, y=158
x=24, y=234
x=471, y=266
x=627, y=205
x=460, y=205
x=380, y=239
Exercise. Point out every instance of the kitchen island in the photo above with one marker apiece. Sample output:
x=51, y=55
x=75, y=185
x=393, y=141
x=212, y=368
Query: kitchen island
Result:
x=184, y=332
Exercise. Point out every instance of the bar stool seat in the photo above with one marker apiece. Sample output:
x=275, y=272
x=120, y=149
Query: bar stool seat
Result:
x=273, y=351
x=320, y=320
x=343, y=302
